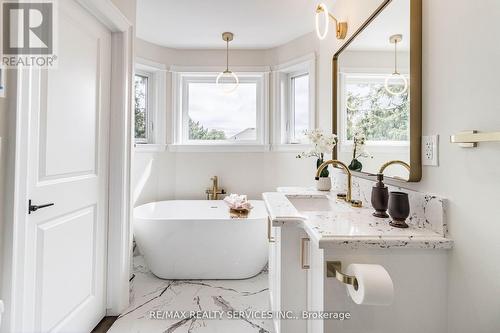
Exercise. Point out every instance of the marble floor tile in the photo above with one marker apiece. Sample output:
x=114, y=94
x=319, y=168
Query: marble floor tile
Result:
x=150, y=294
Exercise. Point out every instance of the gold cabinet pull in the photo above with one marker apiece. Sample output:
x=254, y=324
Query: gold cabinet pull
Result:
x=303, y=253
x=270, y=238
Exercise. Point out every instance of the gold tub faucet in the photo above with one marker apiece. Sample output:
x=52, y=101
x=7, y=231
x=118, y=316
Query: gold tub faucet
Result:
x=214, y=192
x=348, y=195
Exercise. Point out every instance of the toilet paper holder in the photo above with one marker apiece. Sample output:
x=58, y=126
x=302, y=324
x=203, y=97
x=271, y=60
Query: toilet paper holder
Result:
x=334, y=269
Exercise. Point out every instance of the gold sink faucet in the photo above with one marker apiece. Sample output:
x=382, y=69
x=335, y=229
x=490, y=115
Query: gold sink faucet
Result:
x=214, y=192
x=395, y=162
x=348, y=196
x=387, y=164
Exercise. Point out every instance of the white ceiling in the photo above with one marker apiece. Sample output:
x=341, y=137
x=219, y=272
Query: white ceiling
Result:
x=198, y=24
x=395, y=19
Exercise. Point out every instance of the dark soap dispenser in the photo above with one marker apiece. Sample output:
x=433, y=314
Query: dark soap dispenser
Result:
x=380, y=197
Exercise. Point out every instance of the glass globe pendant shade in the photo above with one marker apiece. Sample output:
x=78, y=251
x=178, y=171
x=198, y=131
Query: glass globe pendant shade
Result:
x=395, y=77
x=228, y=81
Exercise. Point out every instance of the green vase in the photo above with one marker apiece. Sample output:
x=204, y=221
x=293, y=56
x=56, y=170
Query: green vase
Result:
x=355, y=165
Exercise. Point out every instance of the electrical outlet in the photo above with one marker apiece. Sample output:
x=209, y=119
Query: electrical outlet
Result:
x=430, y=150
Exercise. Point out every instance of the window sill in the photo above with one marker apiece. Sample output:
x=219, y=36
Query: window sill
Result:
x=218, y=148
x=377, y=147
x=149, y=148
x=291, y=147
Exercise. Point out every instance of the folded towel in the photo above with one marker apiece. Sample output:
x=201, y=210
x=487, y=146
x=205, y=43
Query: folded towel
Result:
x=238, y=202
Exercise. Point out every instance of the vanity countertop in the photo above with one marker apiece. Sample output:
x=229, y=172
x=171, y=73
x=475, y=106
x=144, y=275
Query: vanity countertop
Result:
x=341, y=226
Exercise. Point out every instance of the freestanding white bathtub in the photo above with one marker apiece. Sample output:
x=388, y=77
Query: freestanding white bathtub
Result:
x=195, y=239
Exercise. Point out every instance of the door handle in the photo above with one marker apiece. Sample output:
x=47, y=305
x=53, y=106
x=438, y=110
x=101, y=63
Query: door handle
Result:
x=34, y=208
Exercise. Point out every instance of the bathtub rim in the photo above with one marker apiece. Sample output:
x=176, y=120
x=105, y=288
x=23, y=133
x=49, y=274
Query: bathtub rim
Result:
x=139, y=217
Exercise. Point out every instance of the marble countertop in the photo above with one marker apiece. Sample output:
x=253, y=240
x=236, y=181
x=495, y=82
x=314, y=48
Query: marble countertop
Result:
x=333, y=223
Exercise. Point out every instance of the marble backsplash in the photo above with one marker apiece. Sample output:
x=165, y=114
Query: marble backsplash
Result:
x=427, y=211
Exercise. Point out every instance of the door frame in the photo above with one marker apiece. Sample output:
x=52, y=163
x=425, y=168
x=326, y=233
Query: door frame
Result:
x=119, y=238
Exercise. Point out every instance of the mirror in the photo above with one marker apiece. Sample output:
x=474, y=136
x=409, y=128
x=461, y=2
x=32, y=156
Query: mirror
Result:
x=377, y=93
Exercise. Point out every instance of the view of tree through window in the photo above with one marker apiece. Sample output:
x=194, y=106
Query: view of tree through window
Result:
x=370, y=108
x=141, y=106
x=213, y=115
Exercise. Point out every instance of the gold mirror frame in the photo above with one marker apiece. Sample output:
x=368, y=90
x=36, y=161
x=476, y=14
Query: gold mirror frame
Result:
x=415, y=92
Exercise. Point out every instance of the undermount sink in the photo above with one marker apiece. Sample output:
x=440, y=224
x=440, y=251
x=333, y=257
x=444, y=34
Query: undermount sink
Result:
x=312, y=203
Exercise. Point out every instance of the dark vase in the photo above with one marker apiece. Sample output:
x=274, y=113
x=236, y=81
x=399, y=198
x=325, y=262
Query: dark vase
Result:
x=399, y=209
x=325, y=172
x=355, y=165
x=380, y=198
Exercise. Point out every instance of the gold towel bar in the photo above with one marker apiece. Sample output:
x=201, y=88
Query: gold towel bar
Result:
x=333, y=269
x=470, y=139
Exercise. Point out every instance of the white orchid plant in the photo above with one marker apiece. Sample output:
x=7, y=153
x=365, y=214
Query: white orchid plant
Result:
x=359, y=151
x=323, y=143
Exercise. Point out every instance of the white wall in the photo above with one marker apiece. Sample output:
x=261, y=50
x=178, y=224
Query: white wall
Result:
x=166, y=175
x=461, y=89
x=128, y=8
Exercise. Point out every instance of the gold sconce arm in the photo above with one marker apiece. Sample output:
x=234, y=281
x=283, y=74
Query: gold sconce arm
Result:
x=320, y=10
x=333, y=269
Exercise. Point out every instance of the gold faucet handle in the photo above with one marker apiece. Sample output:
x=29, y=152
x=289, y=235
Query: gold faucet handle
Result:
x=356, y=203
x=342, y=196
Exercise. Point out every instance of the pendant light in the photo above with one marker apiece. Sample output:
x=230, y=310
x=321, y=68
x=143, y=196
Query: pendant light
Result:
x=395, y=39
x=227, y=75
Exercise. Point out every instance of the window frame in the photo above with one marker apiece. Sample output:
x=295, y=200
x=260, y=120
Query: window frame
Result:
x=290, y=115
x=157, y=97
x=149, y=123
x=181, y=80
x=284, y=113
x=376, y=75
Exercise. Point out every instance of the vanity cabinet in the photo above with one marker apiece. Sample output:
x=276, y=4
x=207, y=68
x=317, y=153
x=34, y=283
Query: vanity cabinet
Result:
x=419, y=278
x=288, y=277
x=310, y=229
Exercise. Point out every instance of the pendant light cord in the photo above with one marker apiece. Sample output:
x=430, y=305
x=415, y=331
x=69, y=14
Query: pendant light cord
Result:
x=396, y=57
x=227, y=55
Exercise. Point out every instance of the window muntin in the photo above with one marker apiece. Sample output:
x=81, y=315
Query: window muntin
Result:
x=142, y=97
x=211, y=117
x=366, y=105
x=299, y=108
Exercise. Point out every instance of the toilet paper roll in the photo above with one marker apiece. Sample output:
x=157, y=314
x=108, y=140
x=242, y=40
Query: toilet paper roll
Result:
x=374, y=285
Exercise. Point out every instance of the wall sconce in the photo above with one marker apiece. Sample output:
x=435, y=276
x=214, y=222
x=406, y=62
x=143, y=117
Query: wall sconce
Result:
x=340, y=27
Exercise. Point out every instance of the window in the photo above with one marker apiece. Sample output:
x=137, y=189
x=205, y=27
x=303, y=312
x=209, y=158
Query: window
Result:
x=299, y=116
x=295, y=97
x=142, y=95
x=208, y=116
x=150, y=104
x=366, y=105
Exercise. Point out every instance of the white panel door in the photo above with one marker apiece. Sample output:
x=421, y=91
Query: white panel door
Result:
x=68, y=166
